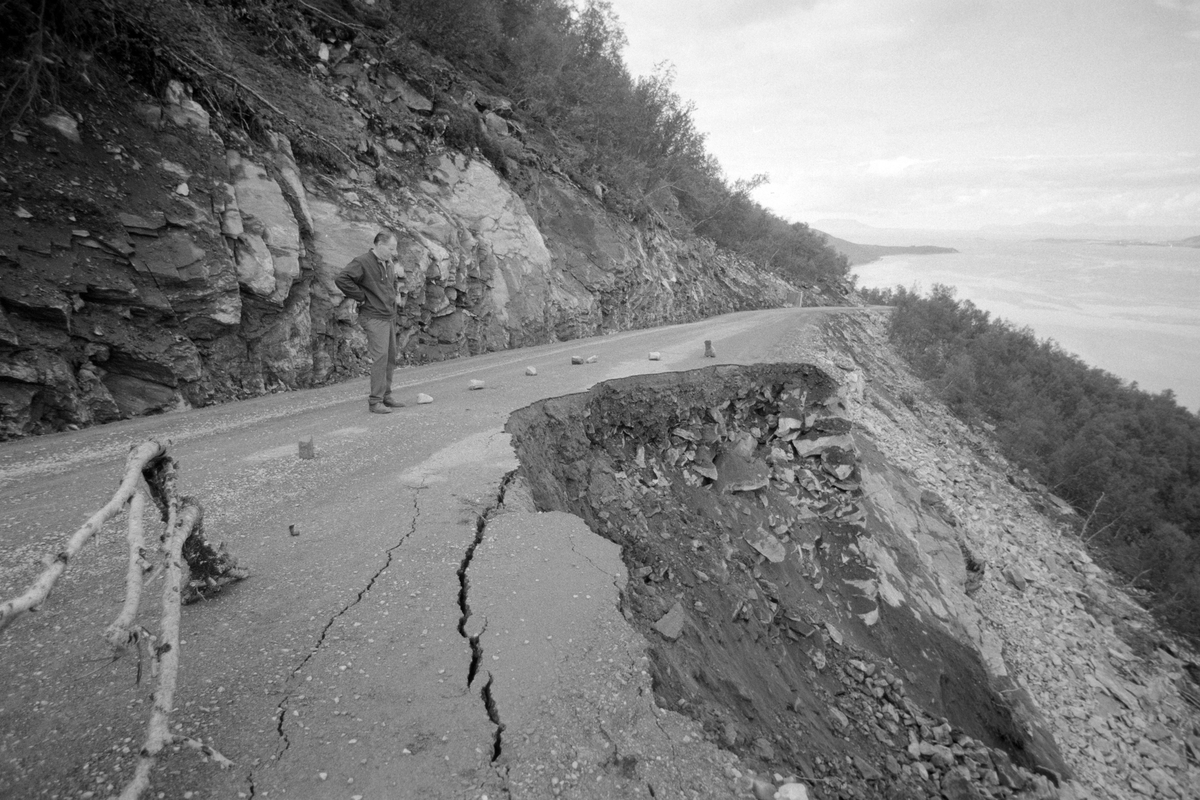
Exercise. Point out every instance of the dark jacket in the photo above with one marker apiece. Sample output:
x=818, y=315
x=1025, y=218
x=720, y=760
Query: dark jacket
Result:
x=372, y=284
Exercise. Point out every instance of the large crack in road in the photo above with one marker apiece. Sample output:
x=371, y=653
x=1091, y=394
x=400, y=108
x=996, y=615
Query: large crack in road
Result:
x=474, y=635
x=282, y=708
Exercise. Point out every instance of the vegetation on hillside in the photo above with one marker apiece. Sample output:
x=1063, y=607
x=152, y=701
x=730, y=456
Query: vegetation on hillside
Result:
x=1127, y=460
x=559, y=61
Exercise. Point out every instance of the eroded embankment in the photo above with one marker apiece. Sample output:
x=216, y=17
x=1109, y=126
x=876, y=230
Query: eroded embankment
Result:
x=798, y=619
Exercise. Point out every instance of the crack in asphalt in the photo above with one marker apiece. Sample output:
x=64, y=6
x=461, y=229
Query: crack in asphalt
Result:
x=464, y=607
x=282, y=708
x=674, y=754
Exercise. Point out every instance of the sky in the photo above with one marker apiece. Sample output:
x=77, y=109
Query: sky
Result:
x=942, y=114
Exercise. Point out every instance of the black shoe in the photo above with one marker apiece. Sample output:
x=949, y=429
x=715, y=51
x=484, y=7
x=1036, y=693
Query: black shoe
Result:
x=392, y=402
x=379, y=408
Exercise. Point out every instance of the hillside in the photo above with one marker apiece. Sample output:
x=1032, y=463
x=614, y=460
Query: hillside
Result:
x=181, y=196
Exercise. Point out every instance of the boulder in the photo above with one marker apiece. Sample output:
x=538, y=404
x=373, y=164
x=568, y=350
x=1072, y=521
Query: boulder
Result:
x=670, y=625
x=738, y=473
x=396, y=88
x=181, y=110
x=65, y=125
x=495, y=124
x=255, y=265
x=266, y=213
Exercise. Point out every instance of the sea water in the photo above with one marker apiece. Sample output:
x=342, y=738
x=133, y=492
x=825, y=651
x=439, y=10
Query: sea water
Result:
x=1130, y=309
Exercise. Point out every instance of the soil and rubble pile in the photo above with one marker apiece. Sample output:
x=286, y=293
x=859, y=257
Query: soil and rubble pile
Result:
x=839, y=590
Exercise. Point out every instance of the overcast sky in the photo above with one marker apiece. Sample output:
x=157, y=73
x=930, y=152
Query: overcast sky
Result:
x=942, y=113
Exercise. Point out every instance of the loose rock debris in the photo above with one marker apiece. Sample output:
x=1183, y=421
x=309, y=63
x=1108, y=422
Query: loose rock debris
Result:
x=754, y=558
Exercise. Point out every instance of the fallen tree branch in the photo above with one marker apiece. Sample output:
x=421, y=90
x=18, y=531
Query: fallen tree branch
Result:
x=139, y=458
x=119, y=633
x=182, y=550
x=330, y=18
x=166, y=654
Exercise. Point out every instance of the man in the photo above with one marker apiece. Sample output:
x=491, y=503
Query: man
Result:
x=371, y=281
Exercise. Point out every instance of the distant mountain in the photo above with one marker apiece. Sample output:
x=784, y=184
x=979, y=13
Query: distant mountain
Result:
x=1089, y=232
x=866, y=253
x=1085, y=232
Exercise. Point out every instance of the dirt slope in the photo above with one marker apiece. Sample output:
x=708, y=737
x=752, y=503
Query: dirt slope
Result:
x=828, y=605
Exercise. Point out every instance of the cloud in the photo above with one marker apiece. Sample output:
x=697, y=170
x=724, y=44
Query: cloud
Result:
x=908, y=192
x=894, y=166
x=941, y=111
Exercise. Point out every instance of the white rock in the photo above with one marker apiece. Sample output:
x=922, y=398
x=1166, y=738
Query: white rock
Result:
x=175, y=168
x=424, y=399
x=182, y=190
x=763, y=790
x=476, y=384
x=64, y=124
x=531, y=370
x=792, y=791
x=656, y=356
x=182, y=110
x=591, y=359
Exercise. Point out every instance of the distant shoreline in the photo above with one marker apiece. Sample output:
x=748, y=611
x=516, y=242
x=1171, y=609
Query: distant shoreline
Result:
x=1192, y=242
x=858, y=254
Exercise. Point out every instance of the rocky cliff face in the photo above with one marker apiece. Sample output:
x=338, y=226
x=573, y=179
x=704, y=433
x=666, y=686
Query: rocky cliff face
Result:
x=148, y=263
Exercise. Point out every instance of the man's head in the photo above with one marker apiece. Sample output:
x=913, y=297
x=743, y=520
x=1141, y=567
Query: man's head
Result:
x=385, y=245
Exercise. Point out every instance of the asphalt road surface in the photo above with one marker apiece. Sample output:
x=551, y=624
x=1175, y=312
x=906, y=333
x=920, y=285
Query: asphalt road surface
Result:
x=338, y=669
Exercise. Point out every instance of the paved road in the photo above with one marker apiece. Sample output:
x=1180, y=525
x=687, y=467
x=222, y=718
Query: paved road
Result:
x=339, y=669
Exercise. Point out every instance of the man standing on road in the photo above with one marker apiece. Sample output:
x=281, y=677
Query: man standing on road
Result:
x=371, y=280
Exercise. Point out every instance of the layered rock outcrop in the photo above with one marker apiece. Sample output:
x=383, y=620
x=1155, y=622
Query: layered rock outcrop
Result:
x=149, y=264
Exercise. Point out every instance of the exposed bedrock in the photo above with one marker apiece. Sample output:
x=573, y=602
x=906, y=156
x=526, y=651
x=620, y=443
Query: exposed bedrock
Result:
x=152, y=265
x=802, y=600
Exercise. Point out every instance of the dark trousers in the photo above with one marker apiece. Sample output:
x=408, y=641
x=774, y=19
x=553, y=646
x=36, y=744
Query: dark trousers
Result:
x=381, y=349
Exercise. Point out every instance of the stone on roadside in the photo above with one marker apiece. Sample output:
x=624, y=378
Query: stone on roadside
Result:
x=531, y=370
x=576, y=359
x=424, y=399
x=792, y=791
x=762, y=790
x=307, y=449
x=476, y=384
x=670, y=625
x=591, y=359
x=656, y=356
